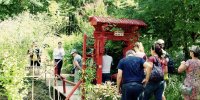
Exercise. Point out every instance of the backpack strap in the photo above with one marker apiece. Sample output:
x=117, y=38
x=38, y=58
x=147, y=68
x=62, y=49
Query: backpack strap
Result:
x=157, y=61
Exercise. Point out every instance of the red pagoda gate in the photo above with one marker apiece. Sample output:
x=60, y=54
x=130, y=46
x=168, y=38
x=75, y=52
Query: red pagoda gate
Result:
x=125, y=30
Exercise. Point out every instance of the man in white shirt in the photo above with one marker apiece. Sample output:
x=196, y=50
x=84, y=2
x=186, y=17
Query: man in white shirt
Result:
x=107, y=62
x=58, y=55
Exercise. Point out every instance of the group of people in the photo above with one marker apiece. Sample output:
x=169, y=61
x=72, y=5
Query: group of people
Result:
x=58, y=54
x=134, y=77
x=135, y=72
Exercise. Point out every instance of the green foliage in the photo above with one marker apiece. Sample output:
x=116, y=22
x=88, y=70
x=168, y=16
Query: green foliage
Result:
x=176, y=21
x=172, y=90
x=16, y=35
x=90, y=72
x=10, y=8
x=50, y=54
x=172, y=20
x=106, y=91
x=40, y=90
x=122, y=8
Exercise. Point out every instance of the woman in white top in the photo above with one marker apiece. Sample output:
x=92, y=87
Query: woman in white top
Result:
x=58, y=55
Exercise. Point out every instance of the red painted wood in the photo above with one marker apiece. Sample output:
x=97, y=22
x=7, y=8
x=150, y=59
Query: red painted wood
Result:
x=102, y=33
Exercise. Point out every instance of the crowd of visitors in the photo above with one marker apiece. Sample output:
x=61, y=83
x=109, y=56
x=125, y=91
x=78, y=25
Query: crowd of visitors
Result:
x=139, y=77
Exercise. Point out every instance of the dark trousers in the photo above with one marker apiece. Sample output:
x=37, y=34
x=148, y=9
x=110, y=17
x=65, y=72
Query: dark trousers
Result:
x=154, y=88
x=59, y=65
x=105, y=77
x=35, y=63
x=131, y=91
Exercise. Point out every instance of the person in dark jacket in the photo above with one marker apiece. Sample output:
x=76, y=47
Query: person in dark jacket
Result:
x=131, y=70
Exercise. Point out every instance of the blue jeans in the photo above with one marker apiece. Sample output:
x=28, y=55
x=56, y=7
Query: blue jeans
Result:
x=131, y=91
x=155, y=88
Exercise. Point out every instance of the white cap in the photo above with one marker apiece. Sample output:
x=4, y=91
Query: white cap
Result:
x=160, y=41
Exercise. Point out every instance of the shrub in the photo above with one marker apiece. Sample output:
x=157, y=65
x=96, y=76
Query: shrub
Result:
x=105, y=91
x=172, y=91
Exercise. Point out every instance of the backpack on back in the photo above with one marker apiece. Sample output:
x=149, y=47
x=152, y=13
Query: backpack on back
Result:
x=170, y=65
x=156, y=73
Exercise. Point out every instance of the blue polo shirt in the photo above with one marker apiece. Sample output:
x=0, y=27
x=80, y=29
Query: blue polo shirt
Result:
x=132, y=69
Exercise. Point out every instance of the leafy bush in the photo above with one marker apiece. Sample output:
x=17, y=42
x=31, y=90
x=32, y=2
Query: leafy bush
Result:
x=40, y=90
x=172, y=91
x=105, y=91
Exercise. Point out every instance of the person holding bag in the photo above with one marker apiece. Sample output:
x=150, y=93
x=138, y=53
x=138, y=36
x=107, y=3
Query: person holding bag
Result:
x=190, y=88
x=155, y=86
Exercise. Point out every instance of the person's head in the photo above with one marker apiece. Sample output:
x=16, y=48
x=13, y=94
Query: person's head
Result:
x=161, y=42
x=73, y=52
x=138, y=47
x=156, y=49
x=194, y=51
x=59, y=44
x=130, y=53
x=33, y=43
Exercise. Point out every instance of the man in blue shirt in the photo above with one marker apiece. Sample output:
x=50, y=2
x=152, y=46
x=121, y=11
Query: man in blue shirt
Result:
x=131, y=70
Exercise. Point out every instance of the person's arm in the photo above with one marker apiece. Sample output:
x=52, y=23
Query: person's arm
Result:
x=119, y=79
x=62, y=52
x=165, y=68
x=148, y=66
x=77, y=65
x=164, y=65
x=182, y=67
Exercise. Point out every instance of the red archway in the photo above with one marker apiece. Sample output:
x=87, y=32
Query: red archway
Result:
x=111, y=29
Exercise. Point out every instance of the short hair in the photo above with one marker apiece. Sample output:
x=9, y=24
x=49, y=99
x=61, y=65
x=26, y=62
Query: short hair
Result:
x=59, y=42
x=129, y=52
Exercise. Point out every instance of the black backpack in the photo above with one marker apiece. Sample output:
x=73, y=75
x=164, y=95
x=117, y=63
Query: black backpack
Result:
x=170, y=65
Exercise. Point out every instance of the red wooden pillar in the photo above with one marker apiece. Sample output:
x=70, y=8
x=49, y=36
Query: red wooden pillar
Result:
x=100, y=51
x=84, y=64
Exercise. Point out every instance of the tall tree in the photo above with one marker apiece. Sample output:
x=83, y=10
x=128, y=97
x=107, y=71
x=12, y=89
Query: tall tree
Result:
x=10, y=8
